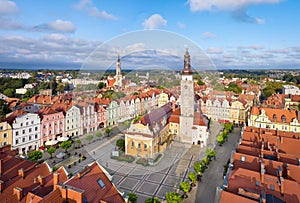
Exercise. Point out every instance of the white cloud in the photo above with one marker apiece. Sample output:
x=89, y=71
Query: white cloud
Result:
x=181, y=25
x=214, y=50
x=8, y=7
x=88, y=6
x=62, y=26
x=255, y=47
x=208, y=35
x=210, y=5
x=154, y=21
x=93, y=11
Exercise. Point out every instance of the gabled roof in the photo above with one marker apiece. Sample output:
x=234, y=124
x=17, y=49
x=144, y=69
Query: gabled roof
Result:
x=10, y=119
x=88, y=181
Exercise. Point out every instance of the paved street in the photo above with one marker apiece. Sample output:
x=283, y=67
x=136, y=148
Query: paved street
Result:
x=213, y=176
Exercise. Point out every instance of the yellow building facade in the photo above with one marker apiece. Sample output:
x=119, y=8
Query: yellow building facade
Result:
x=163, y=99
x=238, y=112
x=5, y=134
x=275, y=119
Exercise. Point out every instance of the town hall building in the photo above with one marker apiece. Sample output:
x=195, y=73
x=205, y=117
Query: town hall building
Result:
x=156, y=130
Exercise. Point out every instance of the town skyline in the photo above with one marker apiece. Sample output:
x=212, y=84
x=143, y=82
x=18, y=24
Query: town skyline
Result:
x=233, y=34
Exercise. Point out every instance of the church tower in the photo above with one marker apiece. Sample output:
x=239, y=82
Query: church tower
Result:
x=187, y=101
x=118, y=75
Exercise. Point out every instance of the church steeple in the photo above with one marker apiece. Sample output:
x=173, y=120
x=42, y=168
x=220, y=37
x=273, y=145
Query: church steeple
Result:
x=187, y=63
x=118, y=66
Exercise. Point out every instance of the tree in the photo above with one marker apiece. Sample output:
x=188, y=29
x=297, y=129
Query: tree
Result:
x=9, y=92
x=107, y=131
x=121, y=144
x=60, y=88
x=101, y=85
x=173, y=197
x=51, y=150
x=193, y=178
x=98, y=134
x=199, y=168
x=185, y=187
x=132, y=197
x=220, y=139
x=152, y=200
x=35, y=155
x=205, y=161
x=210, y=153
x=66, y=145
x=4, y=109
x=89, y=138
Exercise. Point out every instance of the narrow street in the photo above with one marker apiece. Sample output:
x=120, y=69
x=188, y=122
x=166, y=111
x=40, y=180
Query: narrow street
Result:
x=213, y=176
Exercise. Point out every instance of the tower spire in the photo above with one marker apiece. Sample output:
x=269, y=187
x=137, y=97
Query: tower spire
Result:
x=187, y=63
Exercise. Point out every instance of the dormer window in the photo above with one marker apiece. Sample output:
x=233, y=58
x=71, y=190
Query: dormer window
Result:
x=274, y=117
x=283, y=118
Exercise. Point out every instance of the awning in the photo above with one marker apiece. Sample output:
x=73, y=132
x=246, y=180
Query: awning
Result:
x=61, y=139
x=51, y=142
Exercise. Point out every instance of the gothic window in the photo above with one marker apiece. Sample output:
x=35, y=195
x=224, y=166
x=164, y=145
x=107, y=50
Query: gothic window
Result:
x=283, y=118
x=274, y=117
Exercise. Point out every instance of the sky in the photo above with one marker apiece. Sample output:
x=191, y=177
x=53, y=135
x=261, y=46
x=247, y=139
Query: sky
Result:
x=232, y=33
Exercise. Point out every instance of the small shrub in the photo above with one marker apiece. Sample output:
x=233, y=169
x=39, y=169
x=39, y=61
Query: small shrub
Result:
x=54, y=168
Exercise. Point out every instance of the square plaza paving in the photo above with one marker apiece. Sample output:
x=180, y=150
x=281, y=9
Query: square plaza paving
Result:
x=151, y=181
x=177, y=161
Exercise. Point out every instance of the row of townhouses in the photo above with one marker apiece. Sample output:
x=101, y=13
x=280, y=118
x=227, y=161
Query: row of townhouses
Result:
x=45, y=118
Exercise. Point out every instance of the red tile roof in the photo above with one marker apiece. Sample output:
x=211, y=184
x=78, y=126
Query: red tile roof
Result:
x=93, y=192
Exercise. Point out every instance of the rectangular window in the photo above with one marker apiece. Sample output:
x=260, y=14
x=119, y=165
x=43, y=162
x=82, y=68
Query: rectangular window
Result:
x=5, y=135
x=23, y=139
x=17, y=141
x=17, y=133
x=23, y=131
x=35, y=136
x=36, y=128
x=30, y=130
x=29, y=137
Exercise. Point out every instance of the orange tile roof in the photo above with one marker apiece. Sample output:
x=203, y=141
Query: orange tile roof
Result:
x=87, y=181
x=227, y=197
x=10, y=119
x=254, y=110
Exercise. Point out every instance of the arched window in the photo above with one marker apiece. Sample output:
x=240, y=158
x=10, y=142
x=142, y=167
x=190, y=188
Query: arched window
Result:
x=132, y=143
x=274, y=118
x=283, y=118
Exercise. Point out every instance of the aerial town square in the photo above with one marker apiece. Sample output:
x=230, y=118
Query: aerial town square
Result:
x=192, y=101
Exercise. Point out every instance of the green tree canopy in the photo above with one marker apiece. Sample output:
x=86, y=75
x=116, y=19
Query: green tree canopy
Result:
x=173, y=197
x=35, y=155
x=4, y=109
x=51, y=150
x=185, y=187
x=121, y=144
x=152, y=200
x=210, y=153
x=108, y=131
x=89, y=138
x=66, y=145
x=192, y=177
x=132, y=197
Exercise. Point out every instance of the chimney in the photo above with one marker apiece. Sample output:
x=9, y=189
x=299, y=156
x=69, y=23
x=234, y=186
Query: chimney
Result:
x=262, y=172
x=281, y=185
x=173, y=105
x=21, y=173
x=288, y=171
x=41, y=180
x=1, y=186
x=19, y=192
x=1, y=167
x=55, y=180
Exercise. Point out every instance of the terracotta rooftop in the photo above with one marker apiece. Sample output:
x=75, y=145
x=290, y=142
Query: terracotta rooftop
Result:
x=96, y=185
x=227, y=197
x=10, y=119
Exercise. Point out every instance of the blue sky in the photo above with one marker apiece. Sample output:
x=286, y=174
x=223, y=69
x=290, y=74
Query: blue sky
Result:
x=233, y=33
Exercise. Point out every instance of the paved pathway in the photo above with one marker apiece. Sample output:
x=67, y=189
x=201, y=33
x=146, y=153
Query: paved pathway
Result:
x=213, y=176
